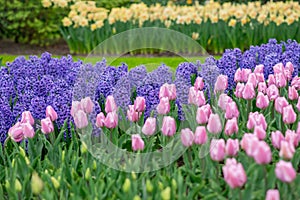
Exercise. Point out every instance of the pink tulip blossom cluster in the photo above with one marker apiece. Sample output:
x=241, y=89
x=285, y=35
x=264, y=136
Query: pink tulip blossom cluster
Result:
x=79, y=111
x=111, y=118
x=167, y=93
x=24, y=128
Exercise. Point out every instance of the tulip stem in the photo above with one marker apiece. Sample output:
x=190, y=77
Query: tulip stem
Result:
x=5, y=143
x=190, y=157
x=266, y=180
x=249, y=107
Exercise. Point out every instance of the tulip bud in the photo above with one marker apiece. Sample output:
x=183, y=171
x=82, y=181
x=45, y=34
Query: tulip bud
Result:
x=149, y=126
x=37, y=184
x=231, y=126
x=18, y=186
x=174, y=184
x=249, y=91
x=273, y=195
x=110, y=104
x=133, y=175
x=111, y=120
x=221, y=83
x=63, y=155
x=214, y=125
x=50, y=112
x=87, y=174
x=149, y=186
x=262, y=153
x=232, y=147
x=231, y=110
x=94, y=165
x=55, y=182
x=132, y=115
x=83, y=148
x=100, y=120
x=22, y=152
x=262, y=101
x=199, y=84
x=137, y=142
x=288, y=115
x=166, y=194
x=272, y=92
x=203, y=114
x=126, y=185
x=217, y=149
x=80, y=119
x=137, y=197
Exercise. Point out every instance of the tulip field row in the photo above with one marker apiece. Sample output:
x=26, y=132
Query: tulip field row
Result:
x=214, y=26
x=222, y=129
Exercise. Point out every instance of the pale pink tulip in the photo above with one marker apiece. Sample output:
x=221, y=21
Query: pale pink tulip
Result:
x=164, y=106
x=262, y=101
x=217, y=149
x=149, y=126
x=239, y=90
x=249, y=143
x=214, y=124
x=87, y=105
x=132, y=115
x=231, y=126
x=110, y=104
x=47, y=125
x=234, y=173
x=196, y=97
x=259, y=69
x=100, y=120
x=298, y=104
x=224, y=99
x=238, y=75
x=50, y=112
x=249, y=91
x=200, y=136
x=169, y=126
x=139, y=104
x=259, y=132
x=276, y=138
x=287, y=150
x=203, y=114
x=199, y=84
x=278, y=68
x=187, y=137
x=252, y=80
x=271, y=80
x=256, y=119
x=285, y=172
x=27, y=117
x=245, y=74
x=168, y=90
x=80, y=119
x=28, y=130
x=76, y=106
x=262, y=87
x=16, y=132
x=293, y=93
x=232, y=147
x=292, y=137
x=280, y=103
x=289, y=66
x=262, y=153
x=221, y=83
x=137, y=142
x=231, y=110
x=280, y=80
x=111, y=120
x=260, y=78
x=272, y=195
x=288, y=115
x=296, y=82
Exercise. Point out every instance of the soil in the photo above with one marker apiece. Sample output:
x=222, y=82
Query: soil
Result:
x=12, y=48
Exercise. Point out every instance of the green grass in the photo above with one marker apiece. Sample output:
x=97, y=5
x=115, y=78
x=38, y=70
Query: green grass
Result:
x=150, y=62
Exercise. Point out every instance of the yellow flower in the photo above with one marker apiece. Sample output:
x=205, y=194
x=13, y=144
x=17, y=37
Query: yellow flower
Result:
x=72, y=13
x=62, y=3
x=290, y=19
x=168, y=23
x=232, y=23
x=279, y=20
x=244, y=20
x=166, y=194
x=93, y=27
x=46, y=3
x=66, y=21
x=195, y=36
x=198, y=20
x=83, y=22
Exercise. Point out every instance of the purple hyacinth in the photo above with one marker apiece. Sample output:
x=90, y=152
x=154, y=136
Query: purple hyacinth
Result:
x=137, y=75
x=122, y=92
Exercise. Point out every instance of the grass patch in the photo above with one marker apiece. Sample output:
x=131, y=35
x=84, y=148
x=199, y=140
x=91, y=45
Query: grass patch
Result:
x=150, y=62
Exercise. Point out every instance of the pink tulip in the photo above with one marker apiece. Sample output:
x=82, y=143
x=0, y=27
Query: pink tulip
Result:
x=149, y=126
x=278, y=68
x=137, y=142
x=280, y=103
x=139, y=104
x=248, y=92
x=80, y=119
x=50, y=112
x=224, y=99
x=252, y=80
x=217, y=149
x=231, y=111
x=262, y=87
x=245, y=74
x=298, y=104
x=196, y=97
x=262, y=101
x=27, y=117
x=87, y=105
x=110, y=104
x=214, y=124
x=16, y=132
x=296, y=82
x=285, y=172
x=231, y=126
x=168, y=90
x=221, y=83
x=203, y=114
x=164, y=106
x=169, y=126
x=260, y=78
x=249, y=143
x=47, y=125
x=132, y=115
x=287, y=150
x=239, y=90
x=259, y=132
x=238, y=75
x=259, y=69
x=293, y=93
x=262, y=153
x=76, y=106
x=288, y=115
x=292, y=137
x=200, y=136
x=272, y=195
x=111, y=120
x=199, y=84
x=289, y=66
x=100, y=120
x=28, y=130
x=271, y=80
x=256, y=119
x=277, y=137
x=234, y=173
x=280, y=80
x=187, y=137
x=232, y=147
x=288, y=74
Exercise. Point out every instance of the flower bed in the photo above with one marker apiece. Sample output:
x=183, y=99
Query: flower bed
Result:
x=215, y=26
x=233, y=145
